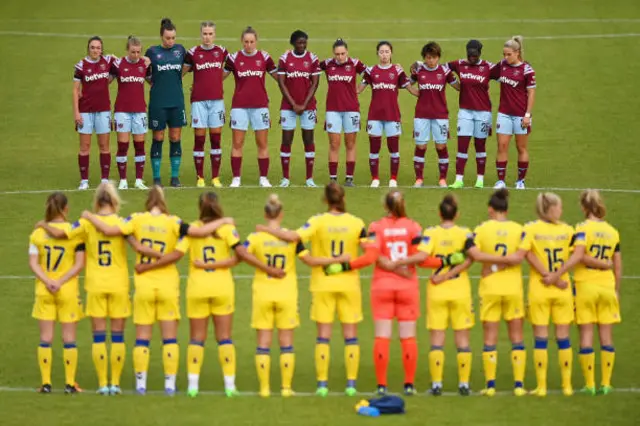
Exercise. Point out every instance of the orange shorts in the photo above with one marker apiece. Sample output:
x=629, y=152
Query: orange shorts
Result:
x=404, y=305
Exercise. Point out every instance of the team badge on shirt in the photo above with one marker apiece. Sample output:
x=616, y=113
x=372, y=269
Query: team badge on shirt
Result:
x=76, y=224
x=258, y=63
x=235, y=233
x=177, y=53
x=305, y=64
x=391, y=76
x=348, y=68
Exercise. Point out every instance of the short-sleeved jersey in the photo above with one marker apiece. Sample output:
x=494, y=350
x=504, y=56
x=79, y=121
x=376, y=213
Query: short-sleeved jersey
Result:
x=207, y=66
x=220, y=246
x=277, y=254
x=330, y=235
x=106, y=264
x=500, y=238
x=602, y=241
x=396, y=239
x=432, y=102
x=341, y=84
x=160, y=232
x=474, y=83
x=514, y=82
x=552, y=244
x=298, y=71
x=131, y=77
x=55, y=257
x=166, y=76
x=94, y=77
x=385, y=82
x=249, y=72
x=441, y=242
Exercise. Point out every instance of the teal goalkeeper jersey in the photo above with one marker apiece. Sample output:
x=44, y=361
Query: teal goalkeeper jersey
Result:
x=166, y=76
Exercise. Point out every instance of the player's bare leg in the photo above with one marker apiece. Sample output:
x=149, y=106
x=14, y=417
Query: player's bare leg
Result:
x=464, y=361
x=175, y=154
x=287, y=361
x=226, y=352
x=195, y=353
x=565, y=357
x=322, y=356
x=263, y=361
x=263, y=157
x=105, y=156
x=502, y=157
x=522, y=144
x=518, y=355
x=285, y=157
x=237, y=145
x=350, y=146
x=200, y=137
x=407, y=332
x=83, y=160
x=156, y=155
x=436, y=360
x=540, y=359
x=141, y=356
x=334, y=155
x=215, y=135
x=607, y=357
x=309, y=155
x=587, y=359
x=170, y=354
x=45, y=357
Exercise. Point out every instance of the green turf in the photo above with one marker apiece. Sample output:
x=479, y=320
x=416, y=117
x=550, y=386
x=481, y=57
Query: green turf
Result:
x=585, y=136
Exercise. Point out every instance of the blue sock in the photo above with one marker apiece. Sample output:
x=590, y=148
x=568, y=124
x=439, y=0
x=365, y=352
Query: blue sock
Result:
x=175, y=156
x=156, y=158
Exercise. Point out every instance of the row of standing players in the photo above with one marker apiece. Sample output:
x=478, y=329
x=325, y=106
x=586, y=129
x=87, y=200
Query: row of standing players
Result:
x=297, y=74
x=395, y=244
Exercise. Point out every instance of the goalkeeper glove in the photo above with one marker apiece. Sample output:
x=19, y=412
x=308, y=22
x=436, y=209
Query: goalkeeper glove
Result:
x=337, y=268
x=453, y=259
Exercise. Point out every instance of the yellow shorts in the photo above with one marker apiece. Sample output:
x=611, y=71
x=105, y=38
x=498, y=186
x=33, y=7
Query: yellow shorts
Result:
x=325, y=303
x=63, y=308
x=494, y=307
x=459, y=311
x=156, y=304
x=269, y=313
x=108, y=305
x=596, y=304
x=203, y=307
x=559, y=308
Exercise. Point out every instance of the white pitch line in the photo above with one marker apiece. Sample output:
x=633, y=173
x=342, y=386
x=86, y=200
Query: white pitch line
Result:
x=302, y=394
x=325, y=39
x=338, y=21
x=366, y=187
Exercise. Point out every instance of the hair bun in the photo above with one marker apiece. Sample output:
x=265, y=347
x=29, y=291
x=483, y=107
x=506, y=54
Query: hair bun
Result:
x=502, y=194
x=273, y=199
x=166, y=21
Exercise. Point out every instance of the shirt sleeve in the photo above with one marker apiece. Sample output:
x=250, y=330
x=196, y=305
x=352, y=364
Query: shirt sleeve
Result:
x=183, y=244
x=360, y=67
x=307, y=230
x=426, y=243
x=127, y=225
x=229, y=64
x=250, y=243
x=451, y=77
x=113, y=70
x=230, y=236
x=453, y=65
x=77, y=72
x=526, y=239
x=315, y=67
x=477, y=240
x=579, y=237
x=322, y=66
x=33, y=247
x=530, y=78
x=366, y=77
x=301, y=250
x=269, y=64
x=403, y=80
x=78, y=229
x=188, y=59
x=282, y=66
x=494, y=74
x=80, y=247
x=373, y=238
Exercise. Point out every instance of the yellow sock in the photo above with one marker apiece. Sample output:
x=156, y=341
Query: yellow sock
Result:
x=607, y=359
x=436, y=364
x=587, y=362
x=195, y=358
x=263, y=368
x=227, y=356
x=352, y=359
x=322, y=359
x=287, y=366
x=518, y=364
x=490, y=365
x=565, y=359
x=44, y=360
x=141, y=357
x=99, y=354
x=464, y=365
x=70, y=356
x=118, y=355
x=541, y=360
x=170, y=357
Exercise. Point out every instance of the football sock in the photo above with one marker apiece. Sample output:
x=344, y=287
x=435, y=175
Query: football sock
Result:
x=565, y=358
x=436, y=364
x=541, y=360
x=156, y=158
x=587, y=363
x=409, y=358
x=418, y=160
x=263, y=166
x=141, y=362
x=464, y=365
x=236, y=166
x=195, y=358
x=83, y=166
x=309, y=159
x=393, y=144
x=105, y=165
x=333, y=169
x=170, y=360
x=285, y=159
x=352, y=360
x=607, y=359
x=322, y=359
x=523, y=166
x=99, y=354
x=263, y=368
x=443, y=161
x=287, y=365
x=381, y=359
x=490, y=365
x=351, y=167
x=118, y=355
x=227, y=357
x=481, y=155
x=121, y=159
x=70, y=356
x=462, y=155
x=215, y=155
x=140, y=158
x=375, y=142
x=44, y=360
x=501, y=169
x=198, y=155
x=175, y=157
x=518, y=363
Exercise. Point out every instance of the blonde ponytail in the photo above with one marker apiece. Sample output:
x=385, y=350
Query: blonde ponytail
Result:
x=515, y=43
x=544, y=202
x=273, y=207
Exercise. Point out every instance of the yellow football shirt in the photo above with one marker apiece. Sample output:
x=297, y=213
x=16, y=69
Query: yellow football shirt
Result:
x=601, y=241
